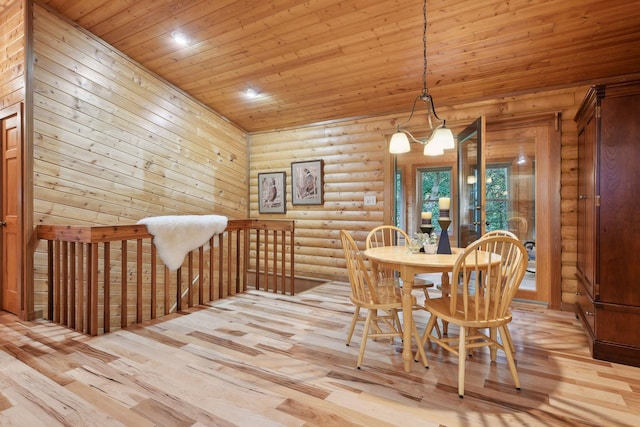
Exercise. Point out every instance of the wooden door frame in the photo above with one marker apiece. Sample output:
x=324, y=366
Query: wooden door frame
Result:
x=29, y=237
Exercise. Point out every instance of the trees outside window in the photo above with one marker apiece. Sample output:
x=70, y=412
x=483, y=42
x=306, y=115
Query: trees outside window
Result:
x=433, y=183
x=497, y=196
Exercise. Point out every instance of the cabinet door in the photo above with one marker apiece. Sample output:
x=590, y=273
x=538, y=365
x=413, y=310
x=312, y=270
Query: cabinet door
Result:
x=586, y=237
x=619, y=211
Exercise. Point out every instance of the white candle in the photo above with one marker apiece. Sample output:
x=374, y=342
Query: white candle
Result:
x=427, y=215
x=444, y=203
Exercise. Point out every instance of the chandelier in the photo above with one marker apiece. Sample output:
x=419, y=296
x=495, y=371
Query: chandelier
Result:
x=442, y=137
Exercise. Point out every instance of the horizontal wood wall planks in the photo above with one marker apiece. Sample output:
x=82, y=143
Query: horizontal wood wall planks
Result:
x=113, y=143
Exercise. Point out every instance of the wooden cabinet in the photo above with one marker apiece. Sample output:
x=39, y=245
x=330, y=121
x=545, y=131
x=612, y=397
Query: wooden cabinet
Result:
x=608, y=234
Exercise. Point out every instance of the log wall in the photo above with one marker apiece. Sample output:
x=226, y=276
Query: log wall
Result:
x=113, y=143
x=356, y=164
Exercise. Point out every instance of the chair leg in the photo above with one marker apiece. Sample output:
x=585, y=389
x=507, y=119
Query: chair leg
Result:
x=426, y=295
x=374, y=322
x=510, y=360
x=493, y=349
x=438, y=332
x=506, y=340
x=507, y=337
x=462, y=356
x=398, y=323
x=423, y=340
x=354, y=320
x=445, y=328
x=421, y=352
x=433, y=321
x=365, y=336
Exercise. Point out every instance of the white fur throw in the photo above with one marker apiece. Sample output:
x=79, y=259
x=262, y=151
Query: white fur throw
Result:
x=176, y=235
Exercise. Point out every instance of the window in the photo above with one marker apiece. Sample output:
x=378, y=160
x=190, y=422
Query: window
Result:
x=497, y=196
x=433, y=183
x=399, y=200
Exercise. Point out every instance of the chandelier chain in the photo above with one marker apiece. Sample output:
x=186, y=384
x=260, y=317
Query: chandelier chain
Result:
x=425, y=91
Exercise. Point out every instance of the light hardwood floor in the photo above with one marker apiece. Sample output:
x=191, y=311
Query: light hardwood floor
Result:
x=262, y=359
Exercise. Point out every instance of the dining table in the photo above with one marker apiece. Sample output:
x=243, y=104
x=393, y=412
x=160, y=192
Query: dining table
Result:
x=408, y=264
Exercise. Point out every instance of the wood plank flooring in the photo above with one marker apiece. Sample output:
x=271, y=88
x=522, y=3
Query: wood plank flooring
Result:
x=261, y=359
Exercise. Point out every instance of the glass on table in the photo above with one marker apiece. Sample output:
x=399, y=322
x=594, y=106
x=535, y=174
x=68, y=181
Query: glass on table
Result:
x=413, y=246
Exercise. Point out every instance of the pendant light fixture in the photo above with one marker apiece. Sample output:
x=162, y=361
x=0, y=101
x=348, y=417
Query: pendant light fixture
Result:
x=442, y=138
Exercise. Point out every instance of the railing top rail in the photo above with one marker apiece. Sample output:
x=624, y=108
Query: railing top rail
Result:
x=110, y=233
x=92, y=234
x=272, y=224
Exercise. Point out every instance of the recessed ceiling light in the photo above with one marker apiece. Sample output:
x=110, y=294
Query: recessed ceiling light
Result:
x=180, y=38
x=251, y=92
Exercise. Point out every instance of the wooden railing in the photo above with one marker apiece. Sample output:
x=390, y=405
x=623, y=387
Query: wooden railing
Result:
x=107, y=277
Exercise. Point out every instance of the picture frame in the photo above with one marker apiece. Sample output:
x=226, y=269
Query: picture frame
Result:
x=272, y=195
x=307, y=182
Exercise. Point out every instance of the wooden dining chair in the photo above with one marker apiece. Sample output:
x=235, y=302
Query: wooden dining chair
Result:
x=390, y=235
x=480, y=301
x=512, y=235
x=366, y=293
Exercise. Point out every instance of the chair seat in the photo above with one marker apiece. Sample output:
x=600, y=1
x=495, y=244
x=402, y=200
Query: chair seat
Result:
x=440, y=307
x=389, y=297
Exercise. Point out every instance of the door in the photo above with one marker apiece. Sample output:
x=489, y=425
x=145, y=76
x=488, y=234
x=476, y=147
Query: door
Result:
x=586, y=235
x=471, y=215
x=10, y=247
x=522, y=195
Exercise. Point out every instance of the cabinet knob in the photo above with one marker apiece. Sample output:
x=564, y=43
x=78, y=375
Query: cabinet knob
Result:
x=589, y=313
x=582, y=197
x=578, y=293
x=3, y=224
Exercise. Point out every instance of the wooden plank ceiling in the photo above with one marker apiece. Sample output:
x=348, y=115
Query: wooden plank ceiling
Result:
x=323, y=60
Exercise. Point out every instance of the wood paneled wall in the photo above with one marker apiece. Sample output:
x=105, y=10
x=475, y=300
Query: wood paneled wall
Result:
x=12, y=54
x=113, y=143
x=355, y=157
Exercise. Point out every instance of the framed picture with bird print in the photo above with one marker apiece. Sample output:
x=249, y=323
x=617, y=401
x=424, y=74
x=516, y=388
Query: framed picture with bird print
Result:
x=271, y=192
x=306, y=182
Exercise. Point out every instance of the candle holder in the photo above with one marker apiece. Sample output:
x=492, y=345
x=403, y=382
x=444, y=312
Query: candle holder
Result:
x=444, y=247
x=426, y=228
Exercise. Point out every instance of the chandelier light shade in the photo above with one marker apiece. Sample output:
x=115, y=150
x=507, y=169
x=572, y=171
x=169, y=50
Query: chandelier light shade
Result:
x=432, y=149
x=442, y=138
x=399, y=143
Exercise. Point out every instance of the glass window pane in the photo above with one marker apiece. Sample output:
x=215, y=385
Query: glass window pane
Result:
x=433, y=183
x=497, y=196
x=399, y=200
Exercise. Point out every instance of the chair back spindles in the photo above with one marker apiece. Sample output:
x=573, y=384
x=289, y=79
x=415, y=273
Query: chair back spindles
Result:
x=488, y=292
x=363, y=286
